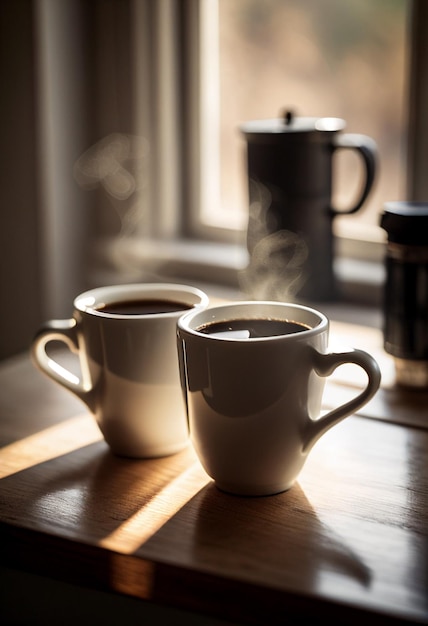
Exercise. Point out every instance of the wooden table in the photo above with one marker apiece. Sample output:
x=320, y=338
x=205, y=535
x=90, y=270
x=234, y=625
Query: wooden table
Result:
x=348, y=543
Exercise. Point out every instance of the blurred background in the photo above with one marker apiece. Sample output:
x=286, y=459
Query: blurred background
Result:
x=121, y=155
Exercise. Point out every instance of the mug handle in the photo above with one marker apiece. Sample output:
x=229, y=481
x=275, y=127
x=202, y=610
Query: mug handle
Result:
x=324, y=365
x=64, y=331
x=366, y=147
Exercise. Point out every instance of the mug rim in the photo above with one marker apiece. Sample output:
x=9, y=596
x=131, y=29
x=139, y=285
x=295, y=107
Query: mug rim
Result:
x=87, y=301
x=208, y=314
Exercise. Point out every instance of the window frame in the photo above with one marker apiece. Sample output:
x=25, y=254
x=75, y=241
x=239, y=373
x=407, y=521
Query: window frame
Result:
x=358, y=244
x=360, y=258
x=162, y=93
x=179, y=231
x=417, y=143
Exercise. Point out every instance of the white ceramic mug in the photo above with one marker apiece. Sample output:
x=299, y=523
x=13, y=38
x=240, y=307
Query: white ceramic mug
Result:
x=254, y=404
x=128, y=361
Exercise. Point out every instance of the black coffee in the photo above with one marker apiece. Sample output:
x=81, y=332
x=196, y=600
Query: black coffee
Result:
x=251, y=329
x=142, y=307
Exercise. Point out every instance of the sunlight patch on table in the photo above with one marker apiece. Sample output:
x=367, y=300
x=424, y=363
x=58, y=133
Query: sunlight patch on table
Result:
x=48, y=444
x=163, y=506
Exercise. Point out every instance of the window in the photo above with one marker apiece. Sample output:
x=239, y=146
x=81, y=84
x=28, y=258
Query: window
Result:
x=325, y=58
x=174, y=80
x=96, y=73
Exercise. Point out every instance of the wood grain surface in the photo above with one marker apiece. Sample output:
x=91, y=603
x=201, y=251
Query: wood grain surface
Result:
x=348, y=542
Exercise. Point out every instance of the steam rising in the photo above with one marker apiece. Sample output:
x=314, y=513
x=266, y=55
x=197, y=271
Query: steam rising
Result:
x=277, y=256
x=117, y=164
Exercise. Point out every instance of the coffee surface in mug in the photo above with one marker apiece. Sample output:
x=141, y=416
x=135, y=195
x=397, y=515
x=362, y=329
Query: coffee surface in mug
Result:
x=252, y=328
x=142, y=307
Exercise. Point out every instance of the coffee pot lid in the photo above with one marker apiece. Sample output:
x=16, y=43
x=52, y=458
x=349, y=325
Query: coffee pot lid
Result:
x=406, y=222
x=289, y=123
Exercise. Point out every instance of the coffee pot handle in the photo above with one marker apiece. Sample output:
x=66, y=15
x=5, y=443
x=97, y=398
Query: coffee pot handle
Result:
x=367, y=149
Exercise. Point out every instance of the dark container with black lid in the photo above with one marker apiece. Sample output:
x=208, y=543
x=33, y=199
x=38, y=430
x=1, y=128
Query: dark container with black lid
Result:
x=405, y=303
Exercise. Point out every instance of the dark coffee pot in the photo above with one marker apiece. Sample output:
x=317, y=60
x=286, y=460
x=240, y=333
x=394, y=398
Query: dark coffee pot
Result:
x=289, y=236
